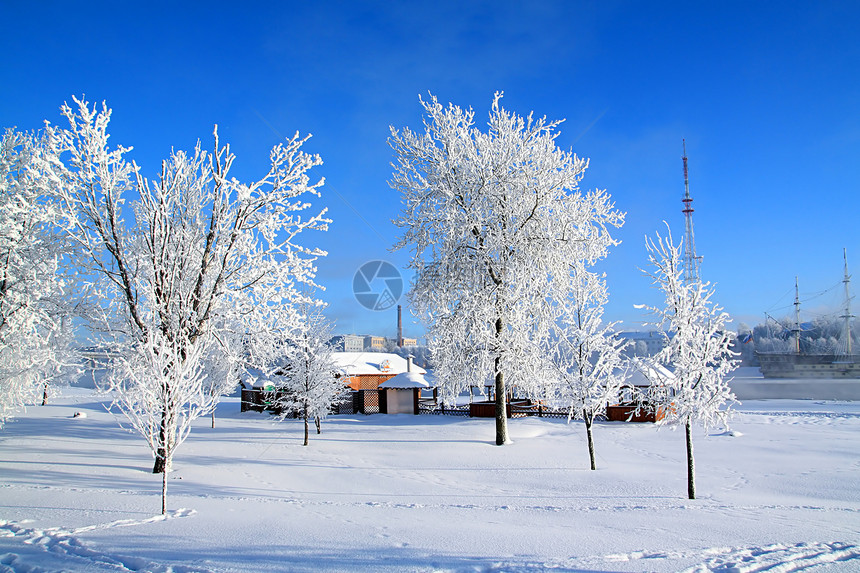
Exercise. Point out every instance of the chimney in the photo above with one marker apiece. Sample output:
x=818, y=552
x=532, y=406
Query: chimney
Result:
x=399, y=328
x=409, y=363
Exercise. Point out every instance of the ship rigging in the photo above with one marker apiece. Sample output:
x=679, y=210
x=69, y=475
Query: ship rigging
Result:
x=837, y=362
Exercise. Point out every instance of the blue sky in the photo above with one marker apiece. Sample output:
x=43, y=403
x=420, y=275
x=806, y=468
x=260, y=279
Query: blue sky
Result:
x=766, y=94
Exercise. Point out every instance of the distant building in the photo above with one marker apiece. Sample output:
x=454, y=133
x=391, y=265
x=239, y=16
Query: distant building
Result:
x=347, y=343
x=366, y=343
x=374, y=342
x=97, y=357
x=646, y=343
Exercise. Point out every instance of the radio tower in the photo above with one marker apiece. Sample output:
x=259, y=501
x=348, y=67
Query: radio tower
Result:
x=691, y=261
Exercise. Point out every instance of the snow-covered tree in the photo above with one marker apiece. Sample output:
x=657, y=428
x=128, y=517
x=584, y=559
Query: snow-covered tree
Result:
x=222, y=372
x=35, y=292
x=491, y=219
x=307, y=385
x=587, y=357
x=184, y=266
x=159, y=384
x=696, y=351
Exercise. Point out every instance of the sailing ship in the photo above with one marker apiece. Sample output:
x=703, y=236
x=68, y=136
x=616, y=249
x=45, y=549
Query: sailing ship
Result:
x=841, y=363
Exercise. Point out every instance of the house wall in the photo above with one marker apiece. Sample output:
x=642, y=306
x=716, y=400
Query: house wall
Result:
x=366, y=381
x=400, y=401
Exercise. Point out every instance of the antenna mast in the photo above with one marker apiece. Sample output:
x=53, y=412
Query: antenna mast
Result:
x=691, y=261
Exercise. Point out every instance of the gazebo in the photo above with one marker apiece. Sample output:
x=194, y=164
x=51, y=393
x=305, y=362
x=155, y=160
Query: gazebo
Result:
x=633, y=404
x=401, y=394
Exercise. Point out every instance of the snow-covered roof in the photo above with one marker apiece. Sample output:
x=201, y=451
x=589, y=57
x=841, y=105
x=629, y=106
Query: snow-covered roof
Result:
x=647, y=372
x=255, y=378
x=406, y=380
x=357, y=363
x=640, y=335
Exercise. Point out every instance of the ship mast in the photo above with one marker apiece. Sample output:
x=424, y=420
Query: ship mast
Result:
x=846, y=317
x=796, y=329
x=691, y=261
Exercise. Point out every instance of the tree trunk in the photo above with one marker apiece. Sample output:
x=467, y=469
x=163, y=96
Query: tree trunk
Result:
x=501, y=410
x=588, y=423
x=306, y=424
x=164, y=492
x=691, y=469
x=213, y=418
x=45, y=395
x=161, y=465
x=501, y=397
x=317, y=422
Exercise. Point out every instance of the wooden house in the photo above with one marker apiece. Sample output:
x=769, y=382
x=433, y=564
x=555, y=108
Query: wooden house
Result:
x=365, y=371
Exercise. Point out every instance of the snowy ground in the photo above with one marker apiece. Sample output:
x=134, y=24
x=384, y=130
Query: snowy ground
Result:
x=431, y=493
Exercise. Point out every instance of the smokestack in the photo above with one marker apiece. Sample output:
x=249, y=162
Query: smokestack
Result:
x=409, y=363
x=399, y=327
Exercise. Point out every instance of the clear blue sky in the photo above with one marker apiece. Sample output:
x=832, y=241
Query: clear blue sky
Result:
x=767, y=95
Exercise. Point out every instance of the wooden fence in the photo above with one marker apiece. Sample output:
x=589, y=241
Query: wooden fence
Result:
x=368, y=402
x=431, y=407
x=467, y=410
x=258, y=400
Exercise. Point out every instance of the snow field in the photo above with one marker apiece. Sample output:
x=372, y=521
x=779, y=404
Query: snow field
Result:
x=431, y=493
